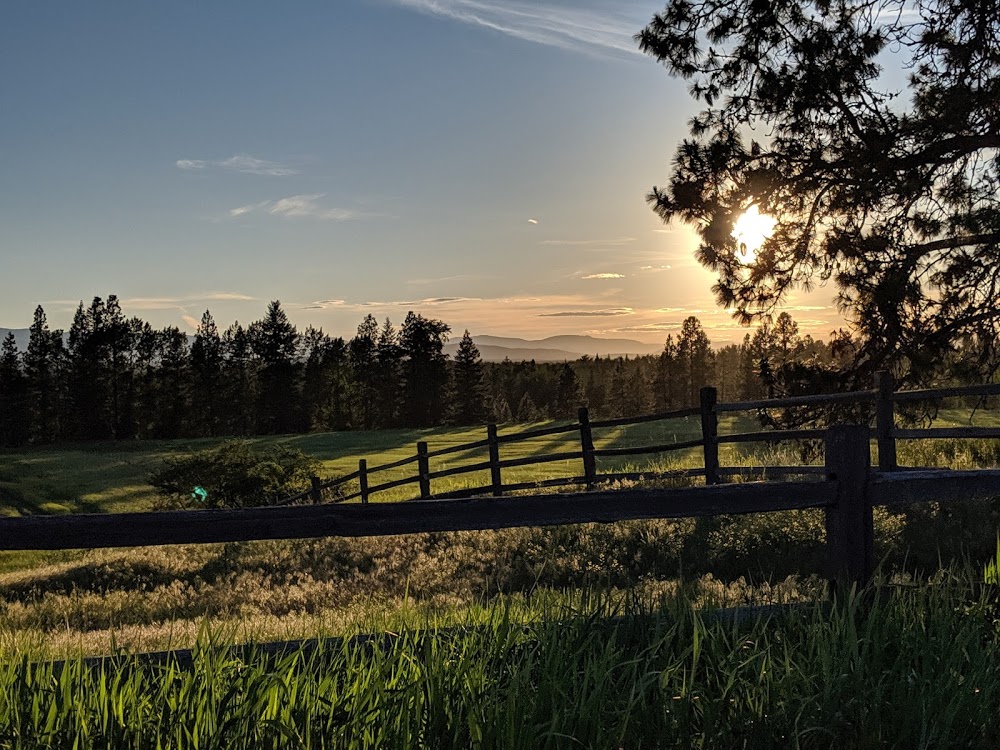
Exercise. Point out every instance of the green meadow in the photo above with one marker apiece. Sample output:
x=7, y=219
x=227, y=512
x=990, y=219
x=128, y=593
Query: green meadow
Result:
x=114, y=477
x=147, y=598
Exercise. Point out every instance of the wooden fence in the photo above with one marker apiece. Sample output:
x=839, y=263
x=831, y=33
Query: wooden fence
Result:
x=848, y=492
x=883, y=400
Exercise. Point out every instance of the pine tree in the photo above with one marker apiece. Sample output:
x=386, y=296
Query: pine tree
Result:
x=240, y=381
x=364, y=373
x=527, y=412
x=206, y=378
x=388, y=386
x=117, y=349
x=87, y=386
x=694, y=351
x=425, y=370
x=42, y=363
x=469, y=394
x=567, y=393
x=275, y=343
x=15, y=427
x=666, y=393
x=174, y=384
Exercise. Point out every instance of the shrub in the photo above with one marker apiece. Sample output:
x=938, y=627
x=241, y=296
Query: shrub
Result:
x=235, y=475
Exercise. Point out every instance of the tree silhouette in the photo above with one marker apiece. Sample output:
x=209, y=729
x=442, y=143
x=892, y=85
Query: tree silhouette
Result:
x=363, y=349
x=694, y=355
x=469, y=392
x=425, y=369
x=895, y=199
x=206, y=378
x=275, y=341
x=567, y=393
x=42, y=365
x=15, y=416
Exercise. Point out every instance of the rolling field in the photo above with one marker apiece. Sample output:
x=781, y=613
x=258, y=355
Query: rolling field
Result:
x=148, y=598
x=114, y=477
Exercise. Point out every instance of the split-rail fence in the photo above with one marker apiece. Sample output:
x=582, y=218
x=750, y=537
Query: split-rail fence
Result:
x=847, y=487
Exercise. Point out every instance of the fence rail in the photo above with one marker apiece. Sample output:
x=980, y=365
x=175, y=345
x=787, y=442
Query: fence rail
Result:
x=886, y=434
x=849, y=490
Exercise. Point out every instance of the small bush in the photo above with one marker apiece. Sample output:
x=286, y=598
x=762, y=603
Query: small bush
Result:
x=235, y=475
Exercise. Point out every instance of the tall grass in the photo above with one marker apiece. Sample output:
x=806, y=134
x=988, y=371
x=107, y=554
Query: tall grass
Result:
x=916, y=668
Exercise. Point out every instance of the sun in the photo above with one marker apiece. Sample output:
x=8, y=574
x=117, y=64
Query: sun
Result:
x=750, y=231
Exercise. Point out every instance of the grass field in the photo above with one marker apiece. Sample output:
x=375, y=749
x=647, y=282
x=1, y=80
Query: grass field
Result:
x=110, y=477
x=916, y=668
x=149, y=598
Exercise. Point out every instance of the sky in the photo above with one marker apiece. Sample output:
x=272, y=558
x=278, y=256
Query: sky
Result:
x=478, y=161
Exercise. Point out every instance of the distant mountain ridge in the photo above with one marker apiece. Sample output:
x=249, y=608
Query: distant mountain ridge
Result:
x=553, y=348
x=564, y=348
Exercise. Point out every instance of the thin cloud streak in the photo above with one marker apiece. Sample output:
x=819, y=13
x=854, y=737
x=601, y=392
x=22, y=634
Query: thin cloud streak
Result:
x=243, y=163
x=298, y=207
x=617, y=242
x=589, y=313
x=569, y=28
x=604, y=276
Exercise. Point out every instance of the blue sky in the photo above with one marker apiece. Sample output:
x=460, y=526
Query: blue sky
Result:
x=483, y=162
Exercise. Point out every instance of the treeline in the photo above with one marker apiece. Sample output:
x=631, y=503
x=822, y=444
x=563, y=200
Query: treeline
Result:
x=118, y=378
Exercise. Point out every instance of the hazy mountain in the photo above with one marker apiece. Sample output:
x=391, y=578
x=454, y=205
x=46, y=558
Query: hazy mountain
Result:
x=553, y=348
x=498, y=348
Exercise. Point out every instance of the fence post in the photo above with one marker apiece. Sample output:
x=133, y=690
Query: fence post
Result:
x=316, y=493
x=849, y=527
x=494, y=446
x=885, y=423
x=363, y=478
x=710, y=433
x=587, y=445
x=423, y=469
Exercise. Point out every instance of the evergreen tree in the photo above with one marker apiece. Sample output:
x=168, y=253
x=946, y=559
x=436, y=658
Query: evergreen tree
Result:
x=567, y=393
x=694, y=351
x=15, y=416
x=173, y=379
x=388, y=359
x=527, y=412
x=87, y=387
x=468, y=406
x=42, y=367
x=240, y=382
x=116, y=346
x=425, y=370
x=206, y=378
x=275, y=343
x=891, y=196
x=363, y=349
x=499, y=410
x=667, y=391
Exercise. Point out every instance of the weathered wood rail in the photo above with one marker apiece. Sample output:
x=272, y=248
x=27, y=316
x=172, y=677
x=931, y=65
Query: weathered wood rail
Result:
x=849, y=489
x=886, y=434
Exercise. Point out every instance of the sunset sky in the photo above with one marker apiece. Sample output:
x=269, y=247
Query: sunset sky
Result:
x=482, y=162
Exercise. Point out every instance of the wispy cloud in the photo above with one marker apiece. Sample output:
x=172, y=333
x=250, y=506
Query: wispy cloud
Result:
x=568, y=27
x=604, y=276
x=244, y=163
x=179, y=303
x=298, y=207
x=589, y=313
x=457, y=277
x=415, y=304
x=655, y=269
x=616, y=242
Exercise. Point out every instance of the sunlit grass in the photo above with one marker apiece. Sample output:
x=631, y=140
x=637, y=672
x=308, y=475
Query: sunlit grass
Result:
x=916, y=667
